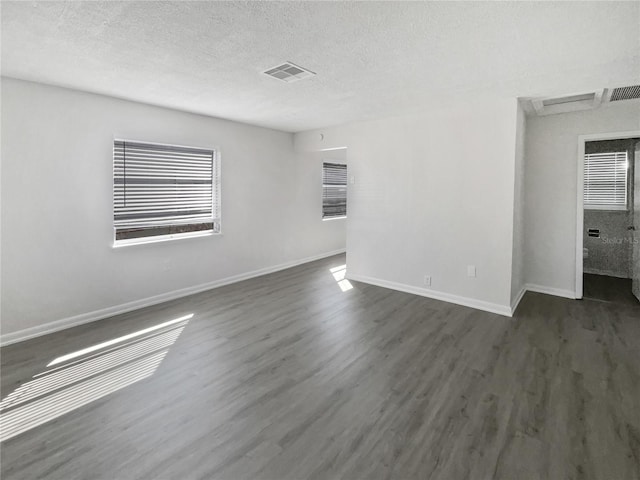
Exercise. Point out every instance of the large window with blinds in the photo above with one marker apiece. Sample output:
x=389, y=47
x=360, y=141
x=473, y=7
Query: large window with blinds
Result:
x=334, y=190
x=606, y=181
x=161, y=192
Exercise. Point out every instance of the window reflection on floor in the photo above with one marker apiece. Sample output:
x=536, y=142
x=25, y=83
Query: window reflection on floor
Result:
x=339, y=273
x=81, y=377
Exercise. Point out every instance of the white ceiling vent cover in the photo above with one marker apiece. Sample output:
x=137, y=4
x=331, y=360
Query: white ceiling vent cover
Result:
x=289, y=72
x=625, y=93
x=567, y=103
x=588, y=97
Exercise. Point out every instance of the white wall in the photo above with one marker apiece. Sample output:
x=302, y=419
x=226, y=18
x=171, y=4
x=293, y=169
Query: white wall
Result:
x=57, y=257
x=433, y=193
x=517, y=275
x=551, y=189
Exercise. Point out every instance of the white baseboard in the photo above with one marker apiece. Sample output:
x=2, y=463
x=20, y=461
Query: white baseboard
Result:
x=608, y=273
x=447, y=297
x=516, y=301
x=550, y=291
x=76, y=320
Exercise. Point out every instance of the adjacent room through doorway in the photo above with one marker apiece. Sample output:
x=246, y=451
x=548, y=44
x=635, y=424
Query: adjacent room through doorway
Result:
x=610, y=236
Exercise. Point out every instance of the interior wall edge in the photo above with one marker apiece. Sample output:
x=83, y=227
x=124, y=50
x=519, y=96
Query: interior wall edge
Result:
x=517, y=299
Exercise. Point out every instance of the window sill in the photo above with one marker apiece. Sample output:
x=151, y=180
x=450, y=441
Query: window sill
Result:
x=333, y=218
x=607, y=208
x=162, y=238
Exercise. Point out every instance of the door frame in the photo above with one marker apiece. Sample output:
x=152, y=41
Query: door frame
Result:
x=582, y=140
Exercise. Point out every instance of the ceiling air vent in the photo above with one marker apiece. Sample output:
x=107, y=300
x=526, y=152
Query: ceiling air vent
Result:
x=567, y=103
x=289, y=72
x=625, y=93
x=569, y=99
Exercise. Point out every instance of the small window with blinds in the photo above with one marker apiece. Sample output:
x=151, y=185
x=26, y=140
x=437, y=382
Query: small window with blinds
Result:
x=605, y=181
x=334, y=190
x=162, y=192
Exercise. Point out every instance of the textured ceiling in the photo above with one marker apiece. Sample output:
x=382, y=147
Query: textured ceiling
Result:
x=372, y=59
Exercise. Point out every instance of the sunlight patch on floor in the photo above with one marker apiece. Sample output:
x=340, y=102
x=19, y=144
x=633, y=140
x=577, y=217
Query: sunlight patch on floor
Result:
x=86, y=375
x=339, y=274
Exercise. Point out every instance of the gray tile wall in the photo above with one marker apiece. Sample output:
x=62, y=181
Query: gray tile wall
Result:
x=611, y=253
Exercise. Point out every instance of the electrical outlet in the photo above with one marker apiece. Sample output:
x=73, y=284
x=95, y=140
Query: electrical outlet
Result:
x=427, y=280
x=471, y=270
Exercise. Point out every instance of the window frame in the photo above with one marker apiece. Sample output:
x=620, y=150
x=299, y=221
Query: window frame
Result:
x=601, y=206
x=345, y=186
x=216, y=195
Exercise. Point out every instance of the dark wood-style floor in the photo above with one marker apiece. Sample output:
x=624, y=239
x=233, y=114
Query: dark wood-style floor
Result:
x=609, y=289
x=288, y=377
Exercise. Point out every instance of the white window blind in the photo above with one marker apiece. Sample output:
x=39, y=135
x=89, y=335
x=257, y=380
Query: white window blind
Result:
x=605, y=181
x=334, y=190
x=163, y=191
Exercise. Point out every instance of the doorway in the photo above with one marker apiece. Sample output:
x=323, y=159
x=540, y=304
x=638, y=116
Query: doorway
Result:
x=610, y=201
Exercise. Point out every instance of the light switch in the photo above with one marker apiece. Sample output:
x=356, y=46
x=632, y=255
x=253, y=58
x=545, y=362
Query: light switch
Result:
x=471, y=270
